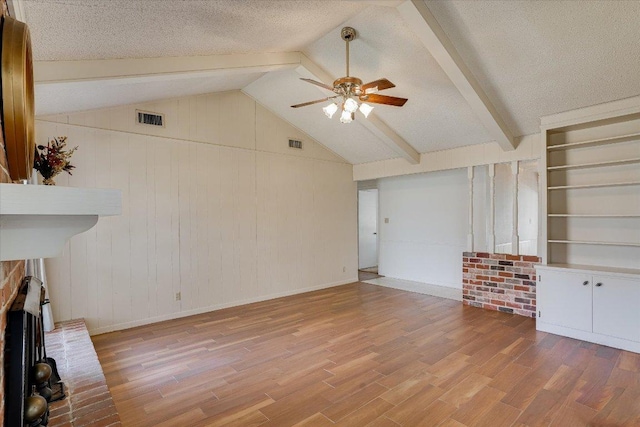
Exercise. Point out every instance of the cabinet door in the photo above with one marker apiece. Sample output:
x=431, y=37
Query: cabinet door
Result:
x=564, y=299
x=616, y=307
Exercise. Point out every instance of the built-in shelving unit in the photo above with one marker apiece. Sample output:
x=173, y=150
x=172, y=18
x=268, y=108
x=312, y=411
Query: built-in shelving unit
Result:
x=591, y=188
x=588, y=285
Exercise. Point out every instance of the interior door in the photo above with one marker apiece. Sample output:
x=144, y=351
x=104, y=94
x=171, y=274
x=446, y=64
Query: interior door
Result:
x=367, y=228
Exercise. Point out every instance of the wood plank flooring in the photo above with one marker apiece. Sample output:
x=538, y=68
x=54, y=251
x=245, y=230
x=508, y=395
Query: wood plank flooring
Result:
x=363, y=355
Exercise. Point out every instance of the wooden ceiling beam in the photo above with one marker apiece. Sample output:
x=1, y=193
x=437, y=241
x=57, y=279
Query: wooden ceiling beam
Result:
x=419, y=18
x=104, y=69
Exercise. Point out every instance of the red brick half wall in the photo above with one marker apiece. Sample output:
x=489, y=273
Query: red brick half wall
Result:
x=500, y=282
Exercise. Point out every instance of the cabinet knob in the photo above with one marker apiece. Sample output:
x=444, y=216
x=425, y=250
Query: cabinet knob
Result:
x=585, y=283
x=598, y=284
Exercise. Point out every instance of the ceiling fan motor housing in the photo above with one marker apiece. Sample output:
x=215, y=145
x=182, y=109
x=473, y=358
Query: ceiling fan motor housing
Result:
x=347, y=86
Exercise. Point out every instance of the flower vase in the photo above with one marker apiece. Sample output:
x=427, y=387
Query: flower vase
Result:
x=48, y=181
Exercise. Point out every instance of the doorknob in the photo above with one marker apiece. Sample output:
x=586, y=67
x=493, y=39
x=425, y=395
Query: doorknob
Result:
x=586, y=282
x=598, y=284
x=375, y=234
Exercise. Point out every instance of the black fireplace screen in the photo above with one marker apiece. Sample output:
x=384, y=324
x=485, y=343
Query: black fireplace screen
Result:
x=32, y=380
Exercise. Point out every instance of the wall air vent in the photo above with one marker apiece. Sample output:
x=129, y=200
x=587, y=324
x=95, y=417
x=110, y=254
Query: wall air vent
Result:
x=295, y=143
x=152, y=119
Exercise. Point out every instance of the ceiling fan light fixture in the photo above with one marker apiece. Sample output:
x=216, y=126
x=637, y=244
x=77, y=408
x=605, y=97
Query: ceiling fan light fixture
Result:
x=350, y=105
x=365, y=109
x=330, y=109
x=346, y=117
x=351, y=92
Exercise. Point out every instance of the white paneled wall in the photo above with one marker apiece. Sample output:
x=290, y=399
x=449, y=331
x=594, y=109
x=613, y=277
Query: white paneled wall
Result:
x=220, y=225
x=427, y=229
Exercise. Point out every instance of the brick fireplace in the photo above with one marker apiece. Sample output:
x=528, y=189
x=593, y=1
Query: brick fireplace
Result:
x=11, y=272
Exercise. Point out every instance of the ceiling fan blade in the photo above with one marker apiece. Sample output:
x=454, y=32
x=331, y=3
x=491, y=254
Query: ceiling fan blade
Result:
x=322, y=85
x=317, y=101
x=377, y=85
x=383, y=99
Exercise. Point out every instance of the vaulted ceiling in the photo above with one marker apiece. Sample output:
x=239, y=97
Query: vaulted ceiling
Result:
x=474, y=71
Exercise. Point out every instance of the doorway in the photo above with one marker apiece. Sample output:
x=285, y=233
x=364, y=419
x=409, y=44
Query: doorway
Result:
x=368, y=232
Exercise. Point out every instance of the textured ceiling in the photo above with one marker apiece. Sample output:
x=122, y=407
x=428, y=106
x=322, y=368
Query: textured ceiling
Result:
x=436, y=116
x=353, y=142
x=532, y=58
x=101, y=29
x=535, y=58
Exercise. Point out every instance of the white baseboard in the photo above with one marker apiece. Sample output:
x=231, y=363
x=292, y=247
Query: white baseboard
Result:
x=589, y=336
x=200, y=310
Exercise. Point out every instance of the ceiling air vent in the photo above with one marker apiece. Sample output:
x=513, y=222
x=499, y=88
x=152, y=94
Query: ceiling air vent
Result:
x=295, y=143
x=147, y=118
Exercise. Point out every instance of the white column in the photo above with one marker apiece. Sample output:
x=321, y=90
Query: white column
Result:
x=470, y=234
x=515, y=239
x=491, y=243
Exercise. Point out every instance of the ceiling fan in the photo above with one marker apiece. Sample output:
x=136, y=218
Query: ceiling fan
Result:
x=349, y=90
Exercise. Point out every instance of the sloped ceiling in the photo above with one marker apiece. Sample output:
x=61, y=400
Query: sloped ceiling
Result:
x=530, y=59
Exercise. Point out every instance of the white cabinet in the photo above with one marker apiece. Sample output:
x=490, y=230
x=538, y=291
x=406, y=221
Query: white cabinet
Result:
x=616, y=307
x=566, y=299
x=584, y=303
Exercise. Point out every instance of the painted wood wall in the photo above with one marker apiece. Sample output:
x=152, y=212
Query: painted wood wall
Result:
x=216, y=207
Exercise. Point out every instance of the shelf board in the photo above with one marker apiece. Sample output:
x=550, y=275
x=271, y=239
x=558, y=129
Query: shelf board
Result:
x=595, y=164
x=606, y=184
x=593, y=215
x=37, y=220
x=593, y=268
x=594, y=142
x=586, y=242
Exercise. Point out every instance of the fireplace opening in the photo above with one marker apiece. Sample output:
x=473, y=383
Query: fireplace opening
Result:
x=32, y=380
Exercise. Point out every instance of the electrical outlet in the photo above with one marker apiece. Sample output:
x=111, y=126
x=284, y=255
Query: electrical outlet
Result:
x=344, y=269
x=178, y=296
x=386, y=220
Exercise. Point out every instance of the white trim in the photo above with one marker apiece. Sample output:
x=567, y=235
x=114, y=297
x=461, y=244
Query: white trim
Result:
x=181, y=314
x=588, y=336
x=470, y=234
x=453, y=158
x=621, y=107
x=491, y=244
x=515, y=238
x=16, y=10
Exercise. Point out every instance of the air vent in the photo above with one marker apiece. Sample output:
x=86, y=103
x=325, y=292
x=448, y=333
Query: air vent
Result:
x=152, y=119
x=294, y=143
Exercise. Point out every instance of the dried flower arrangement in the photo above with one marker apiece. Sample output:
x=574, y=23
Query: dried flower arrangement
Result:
x=52, y=159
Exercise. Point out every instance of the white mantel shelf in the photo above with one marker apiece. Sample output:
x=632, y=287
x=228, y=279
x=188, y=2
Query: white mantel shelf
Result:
x=37, y=220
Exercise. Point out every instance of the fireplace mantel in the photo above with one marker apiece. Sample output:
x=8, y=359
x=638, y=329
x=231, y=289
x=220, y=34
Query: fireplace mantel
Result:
x=37, y=220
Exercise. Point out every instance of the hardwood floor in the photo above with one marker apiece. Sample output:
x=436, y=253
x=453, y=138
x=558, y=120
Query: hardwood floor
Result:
x=359, y=355
x=368, y=275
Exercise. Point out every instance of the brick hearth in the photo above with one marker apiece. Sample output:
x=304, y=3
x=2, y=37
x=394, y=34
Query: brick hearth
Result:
x=88, y=401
